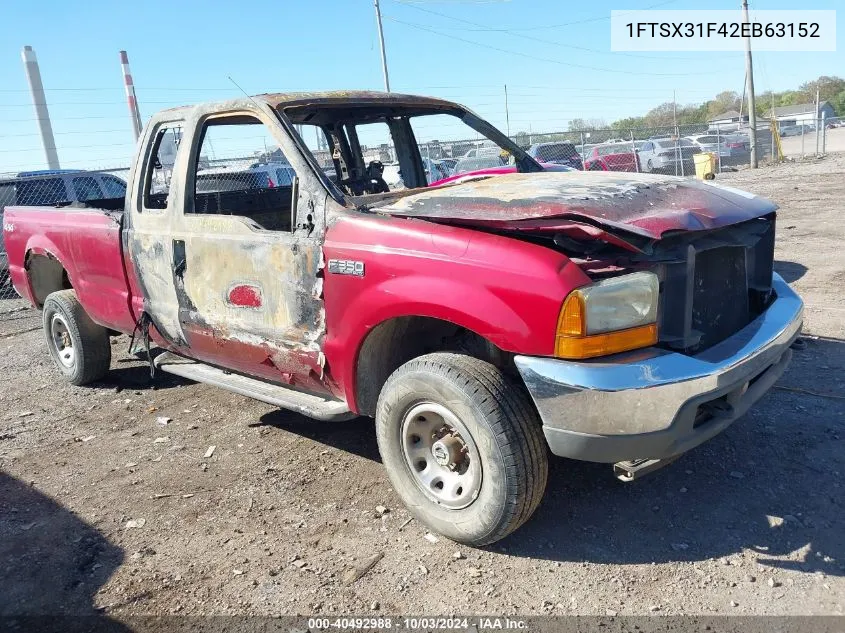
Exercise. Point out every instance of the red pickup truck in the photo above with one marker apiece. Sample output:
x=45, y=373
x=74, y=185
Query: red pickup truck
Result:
x=612, y=317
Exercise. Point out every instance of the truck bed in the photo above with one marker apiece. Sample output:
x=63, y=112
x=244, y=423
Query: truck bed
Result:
x=86, y=242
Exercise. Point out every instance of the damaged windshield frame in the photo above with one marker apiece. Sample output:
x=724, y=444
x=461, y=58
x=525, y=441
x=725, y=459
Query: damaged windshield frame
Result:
x=335, y=118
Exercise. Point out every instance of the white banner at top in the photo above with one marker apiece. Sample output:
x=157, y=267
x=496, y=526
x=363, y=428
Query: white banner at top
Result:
x=723, y=30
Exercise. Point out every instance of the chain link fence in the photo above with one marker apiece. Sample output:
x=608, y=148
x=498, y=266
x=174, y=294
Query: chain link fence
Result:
x=812, y=137
x=660, y=149
x=59, y=188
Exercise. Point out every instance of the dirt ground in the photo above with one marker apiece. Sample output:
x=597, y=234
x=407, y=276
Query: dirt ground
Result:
x=105, y=509
x=796, y=146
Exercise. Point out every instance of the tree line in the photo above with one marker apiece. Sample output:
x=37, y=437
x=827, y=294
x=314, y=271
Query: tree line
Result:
x=831, y=89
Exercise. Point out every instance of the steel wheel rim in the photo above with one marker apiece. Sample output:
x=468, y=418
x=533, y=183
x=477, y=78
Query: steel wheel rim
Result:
x=441, y=455
x=62, y=341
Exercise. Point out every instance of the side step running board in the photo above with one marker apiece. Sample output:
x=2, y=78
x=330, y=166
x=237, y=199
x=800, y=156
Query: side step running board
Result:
x=313, y=406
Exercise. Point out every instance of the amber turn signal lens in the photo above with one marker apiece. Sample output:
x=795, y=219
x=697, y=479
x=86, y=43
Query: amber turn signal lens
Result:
x=573, y=317
x=580, y=347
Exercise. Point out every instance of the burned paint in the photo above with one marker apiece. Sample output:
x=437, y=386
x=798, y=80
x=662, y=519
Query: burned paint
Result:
x=222, y=289
x=347, y=97
x=151, y=257
x=223, y=253
x=644, y=204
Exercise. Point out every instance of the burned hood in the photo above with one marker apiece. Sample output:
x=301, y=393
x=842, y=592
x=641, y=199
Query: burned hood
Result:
x=644, y=204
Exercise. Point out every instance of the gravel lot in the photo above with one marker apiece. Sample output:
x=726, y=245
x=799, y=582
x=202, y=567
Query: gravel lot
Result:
x=794, y=146
x=102, y=507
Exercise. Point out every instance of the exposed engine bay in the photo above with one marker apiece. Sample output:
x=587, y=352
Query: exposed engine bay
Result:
x=712, y=283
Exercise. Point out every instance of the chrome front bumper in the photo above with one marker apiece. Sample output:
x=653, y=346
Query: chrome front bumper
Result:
x=653, y=403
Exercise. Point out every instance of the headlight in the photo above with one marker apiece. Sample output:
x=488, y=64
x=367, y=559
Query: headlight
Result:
x=609, y=316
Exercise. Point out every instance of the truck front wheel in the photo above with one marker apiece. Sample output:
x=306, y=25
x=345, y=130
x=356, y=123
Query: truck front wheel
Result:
x=79, y=347
x=462, y=446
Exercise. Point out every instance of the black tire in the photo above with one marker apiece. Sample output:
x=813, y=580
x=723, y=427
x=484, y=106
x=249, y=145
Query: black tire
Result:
x=503, y=425
x=66, y=324
x=649, y=166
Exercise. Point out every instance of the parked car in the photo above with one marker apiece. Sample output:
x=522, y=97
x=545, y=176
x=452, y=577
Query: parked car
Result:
x=51, y=187
x=610, y=317
x=7, y=197
x=48, y=187
x=434, y=170
x=795, y=130
x=474, y=164
x=493, y=171
x=448, y=165
x=557, y=152
x=485, y=149
x=612, y=157
x=738, y=143
x=668, y=156
x=239, y=177
x=711, y=143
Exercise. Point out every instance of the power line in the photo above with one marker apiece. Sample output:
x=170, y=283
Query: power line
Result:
x=67, y=118
x=102, y=159
x=38, y=149
x=548, y=26
x=111, y=88
x=543, y=59
x=85, y=103
x=62, y=133
x=513, y=32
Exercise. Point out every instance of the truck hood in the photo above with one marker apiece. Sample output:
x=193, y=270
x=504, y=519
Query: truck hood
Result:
x=646, y=205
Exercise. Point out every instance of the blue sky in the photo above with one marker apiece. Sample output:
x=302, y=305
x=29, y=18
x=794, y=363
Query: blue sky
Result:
x=554, y=56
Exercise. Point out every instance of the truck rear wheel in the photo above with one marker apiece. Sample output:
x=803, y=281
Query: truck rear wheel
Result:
x=463, y=447
x=79, y=347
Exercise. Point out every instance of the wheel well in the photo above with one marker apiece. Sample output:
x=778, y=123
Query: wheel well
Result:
x=396, y=341
x=46, y=275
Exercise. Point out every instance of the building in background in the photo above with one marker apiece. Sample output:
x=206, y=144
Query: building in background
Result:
x=803, y=113
x=728, y=121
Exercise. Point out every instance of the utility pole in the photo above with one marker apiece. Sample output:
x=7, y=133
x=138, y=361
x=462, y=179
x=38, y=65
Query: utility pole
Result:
x=816, y=119
x=677, y=135
x=675, y=112
x=507, y=114
x=39, y=101
x=776, y=157
x=381, y=43
x=752, y=106
x=131, y=100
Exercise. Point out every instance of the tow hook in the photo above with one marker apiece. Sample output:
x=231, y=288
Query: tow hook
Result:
x=629, y=471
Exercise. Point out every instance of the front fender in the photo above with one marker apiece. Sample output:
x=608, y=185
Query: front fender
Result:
x=507, y=291
x=478, y=310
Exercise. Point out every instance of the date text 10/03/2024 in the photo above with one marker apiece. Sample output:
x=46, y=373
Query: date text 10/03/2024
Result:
x=415, y=624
